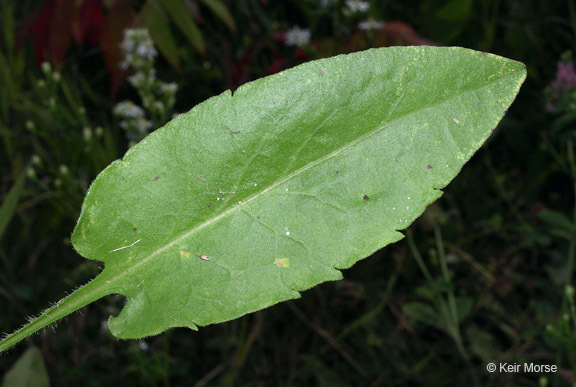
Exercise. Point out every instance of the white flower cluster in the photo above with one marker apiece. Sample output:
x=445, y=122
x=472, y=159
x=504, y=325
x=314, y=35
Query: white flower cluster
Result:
x=142, y=79
x=157, y=97
x=133, y=119
x=326, y=3
x=297, y=36
x=140, y=126
x=370, y=24
x=138, y=47
x=128, y=109
x=357, y=5
x=168, y=88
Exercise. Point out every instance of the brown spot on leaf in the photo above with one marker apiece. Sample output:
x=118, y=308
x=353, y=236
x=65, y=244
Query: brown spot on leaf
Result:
x=233, y=131
x=282, y=262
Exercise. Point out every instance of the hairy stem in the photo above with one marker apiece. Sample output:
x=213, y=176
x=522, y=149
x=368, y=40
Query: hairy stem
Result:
x=83, y=296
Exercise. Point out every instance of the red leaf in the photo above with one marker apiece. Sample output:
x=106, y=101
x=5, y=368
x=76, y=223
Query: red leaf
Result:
x=279, y=36
x=51, y=27
x=89, y=22
x=301, y=55
x=120, y=16
x=38, y=26
x=240, y=73
x=278, y=65
x=397, y=32
x=60, y=31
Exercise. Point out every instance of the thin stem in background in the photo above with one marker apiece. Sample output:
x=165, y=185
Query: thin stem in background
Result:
x=449, y=310
x=455, y=323
x=572, y=246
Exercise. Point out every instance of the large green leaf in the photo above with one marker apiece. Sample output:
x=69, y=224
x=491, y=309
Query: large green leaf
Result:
x=254, y=196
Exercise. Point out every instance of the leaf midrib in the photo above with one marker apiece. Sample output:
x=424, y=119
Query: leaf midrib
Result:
x=292, y=175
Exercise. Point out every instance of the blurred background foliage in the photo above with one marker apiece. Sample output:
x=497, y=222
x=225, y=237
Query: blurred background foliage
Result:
x=486, y=275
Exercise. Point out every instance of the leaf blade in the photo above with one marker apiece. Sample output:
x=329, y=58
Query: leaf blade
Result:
x=248, y=199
